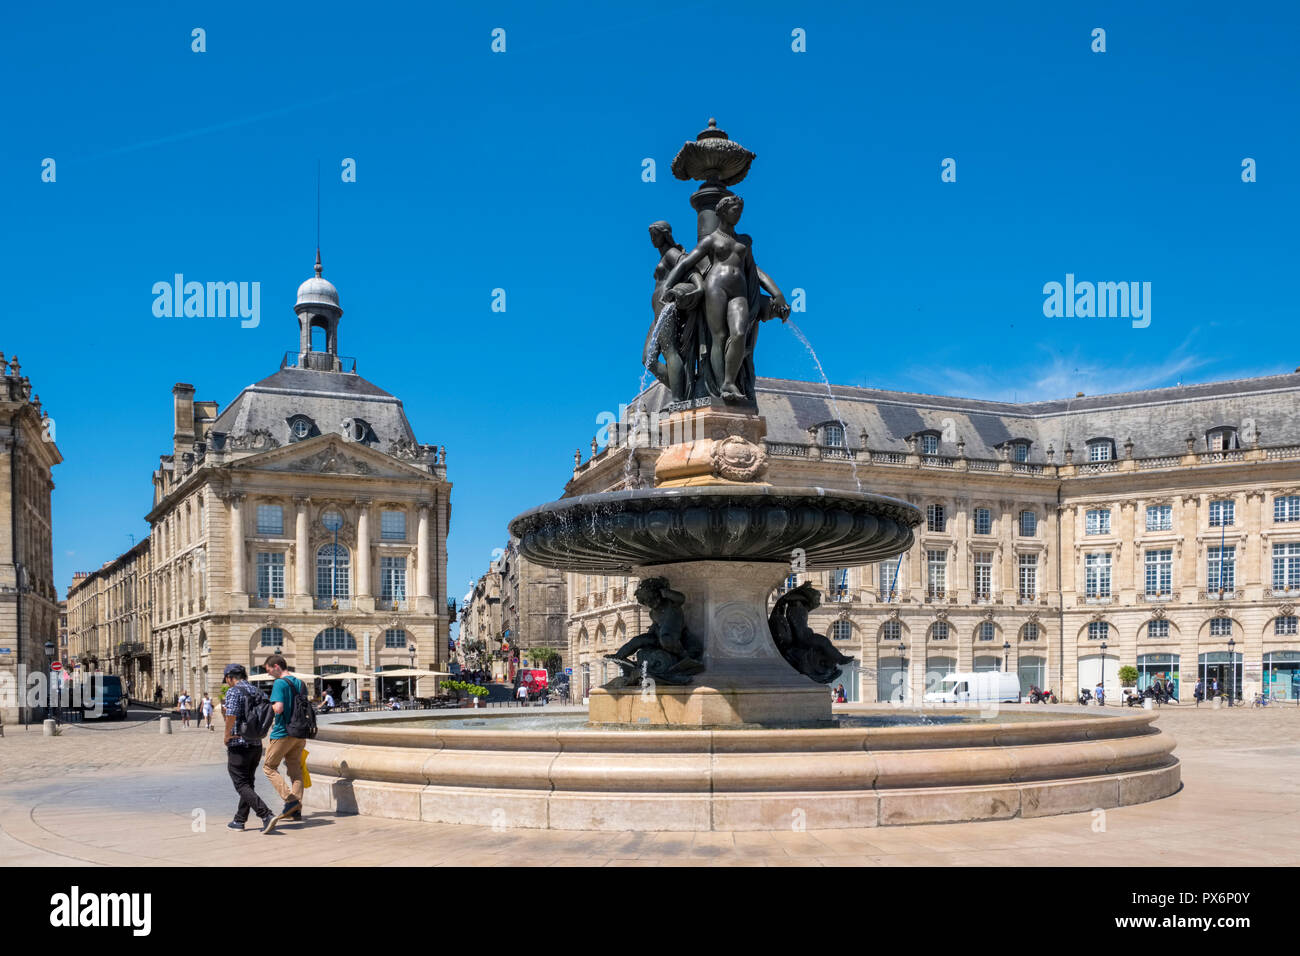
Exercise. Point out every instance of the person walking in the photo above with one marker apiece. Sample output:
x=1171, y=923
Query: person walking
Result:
x=205, y=709
x=184, y=703
x=522, y=693
x=284, y=749
x=243, y=754
x=1214, y=687
x=1198, y=692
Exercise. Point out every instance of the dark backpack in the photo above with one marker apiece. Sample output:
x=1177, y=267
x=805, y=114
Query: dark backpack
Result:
x=302, y=718
x=258, y=715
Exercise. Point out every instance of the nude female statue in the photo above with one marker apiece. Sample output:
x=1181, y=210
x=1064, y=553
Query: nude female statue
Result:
x=733, y=303
x=676, y=339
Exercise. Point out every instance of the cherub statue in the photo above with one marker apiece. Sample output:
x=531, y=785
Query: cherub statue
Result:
x=667, y=652
x=805, y=650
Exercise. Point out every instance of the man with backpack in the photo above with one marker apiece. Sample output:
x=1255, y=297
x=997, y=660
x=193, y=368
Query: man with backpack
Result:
x=295, y=721
x=244, y=745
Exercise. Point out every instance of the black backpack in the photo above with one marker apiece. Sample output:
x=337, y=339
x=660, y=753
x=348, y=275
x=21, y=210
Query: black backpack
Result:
x=302, y=719
x=258, y=715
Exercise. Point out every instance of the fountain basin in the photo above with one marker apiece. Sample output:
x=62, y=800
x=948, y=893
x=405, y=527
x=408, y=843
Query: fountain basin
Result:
x=571, y=779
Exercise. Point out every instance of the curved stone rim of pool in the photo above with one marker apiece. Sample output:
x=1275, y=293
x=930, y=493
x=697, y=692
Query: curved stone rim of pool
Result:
x=622, y=530
x=741, y=780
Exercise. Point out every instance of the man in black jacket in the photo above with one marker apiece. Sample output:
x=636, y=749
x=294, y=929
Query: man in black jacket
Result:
x=243, y=755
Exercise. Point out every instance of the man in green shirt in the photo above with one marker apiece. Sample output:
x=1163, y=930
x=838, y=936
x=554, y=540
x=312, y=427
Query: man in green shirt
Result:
x=283, y=748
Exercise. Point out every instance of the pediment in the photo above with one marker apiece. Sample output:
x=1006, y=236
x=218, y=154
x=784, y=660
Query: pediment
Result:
x=330, y=455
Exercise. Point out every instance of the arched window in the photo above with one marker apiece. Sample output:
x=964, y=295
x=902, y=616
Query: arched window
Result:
x=395, y=637
x=332, y=572
x=1157, y=629
x=272, y=637
x=334, y=639
x=1029, y=632
x=1221, y=627
x=891, y=631
x=987, y=631
x=939, y=631
x=841, y=631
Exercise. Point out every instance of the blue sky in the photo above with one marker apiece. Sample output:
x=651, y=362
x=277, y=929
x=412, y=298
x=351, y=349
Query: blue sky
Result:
x=522, y=170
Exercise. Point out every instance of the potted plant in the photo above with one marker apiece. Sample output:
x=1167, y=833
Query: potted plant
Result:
x=1128, y=678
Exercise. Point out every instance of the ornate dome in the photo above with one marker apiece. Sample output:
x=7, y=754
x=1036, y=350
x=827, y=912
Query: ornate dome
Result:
x=317, y=293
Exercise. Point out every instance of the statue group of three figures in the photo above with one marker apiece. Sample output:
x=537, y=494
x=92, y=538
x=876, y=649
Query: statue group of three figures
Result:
x=707, y=305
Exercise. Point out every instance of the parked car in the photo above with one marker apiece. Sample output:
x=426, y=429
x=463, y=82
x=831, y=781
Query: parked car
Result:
x=102, y=695
x=976, y=687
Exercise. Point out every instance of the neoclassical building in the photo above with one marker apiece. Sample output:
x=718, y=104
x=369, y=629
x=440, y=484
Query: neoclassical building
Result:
x=303, y=517
x=1159, y=529
x=29, y=601
x=109, y=619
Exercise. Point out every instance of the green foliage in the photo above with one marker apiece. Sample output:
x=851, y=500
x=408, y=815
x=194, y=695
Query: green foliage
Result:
x=465, y=687
x=1128, y=675
x=544, y=657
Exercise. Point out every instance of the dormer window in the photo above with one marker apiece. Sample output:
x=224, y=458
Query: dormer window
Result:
x=1020, y=451
x=301, y=428
x=833, y=435
x=929, y=443
x=355, y=429
x=1101, y=449
x=1223, y=438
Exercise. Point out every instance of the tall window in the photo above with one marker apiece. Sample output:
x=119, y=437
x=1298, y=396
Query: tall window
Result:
x=1286, y=566
x=935, y=518
x=1097, y=574
x=892, y=631
x=983, y=521
x=1158, y=629
x=272, y=637
x=1160, y=572
x=1284, y=625
x=1098, y=630
x=987, y=631
x=1221, y=563
x=929, y=444
x=839, y=589
x=890, y=578
x=1028, y=584
x=983, y=575
x=1160, y=517
x=270, y=574
x=1030, y=632
x=833, y=436
x=392, y=579
x=1100, y=450
x=392, y=525
x=1098, y=521
x=270, y=519
x=841, y=631
x=332, y=572
x=1286, y=509
x=1028, y=524
x=939, y=631
x=1221, y=627
x=395, y=637
x=1222, y=513
x=334, y=639
x=937, y=566
x=1020, y=452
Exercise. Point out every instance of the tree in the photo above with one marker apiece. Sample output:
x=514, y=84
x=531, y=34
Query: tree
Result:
x=545, y=657
x=1128, y=675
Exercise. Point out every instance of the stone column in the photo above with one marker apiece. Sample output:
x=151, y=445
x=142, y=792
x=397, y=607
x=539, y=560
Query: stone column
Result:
x=1189, y=558
x=1253, y=559
x=1124, y=584
x=302, y=562
x=363, y=547
x=961, y=576
x=422, y=552
x=236, y=544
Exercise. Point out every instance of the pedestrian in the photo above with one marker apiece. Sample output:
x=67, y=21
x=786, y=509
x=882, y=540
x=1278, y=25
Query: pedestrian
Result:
x=1099, y=693
x=1214, y=687
x=284, y=749
x=1198, y=692
x=243, y=754
x=184, y=704
x=205, y=709
x=157, y=696
x=327, y=702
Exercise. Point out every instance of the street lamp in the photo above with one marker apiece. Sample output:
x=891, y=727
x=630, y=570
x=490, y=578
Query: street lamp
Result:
x=1006, y=655
x=1232, y=663
x=1103, y=673
x=49, y=660
x=410, y=681
x=902, y=669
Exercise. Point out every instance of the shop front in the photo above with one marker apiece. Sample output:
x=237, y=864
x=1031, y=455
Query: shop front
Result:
x=1223, y=667
x=1032, y=671
x=1282, y=675
x=1153, y=667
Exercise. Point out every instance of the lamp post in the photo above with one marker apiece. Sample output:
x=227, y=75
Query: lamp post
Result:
x=410, y=681
x=1103, y=673
x=902, y=668
x=1006, y=656
x=49, y=659
x=1232, y=663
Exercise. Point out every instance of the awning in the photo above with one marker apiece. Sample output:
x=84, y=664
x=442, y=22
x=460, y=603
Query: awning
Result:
x=410, y=672
x=301, y=677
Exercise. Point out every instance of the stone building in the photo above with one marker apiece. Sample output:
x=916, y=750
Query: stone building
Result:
x=519, y=603
x=29, y=601
x=305, y=517
x=482, y=620
x=1063, y=539
x=109, y=614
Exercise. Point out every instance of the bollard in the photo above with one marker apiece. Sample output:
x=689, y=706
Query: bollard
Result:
x=1148, y=704
x=49, y=726
x=1217, y=702
x=165, y=725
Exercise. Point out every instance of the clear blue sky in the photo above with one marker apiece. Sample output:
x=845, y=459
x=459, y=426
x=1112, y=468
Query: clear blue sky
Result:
x=522, y=171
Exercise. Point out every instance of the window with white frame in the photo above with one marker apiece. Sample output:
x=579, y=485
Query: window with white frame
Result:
x=272, y=637
x=939, y=631
x=1286, y=566
x=395, y=637
x=983, y=521
x=891, y=631
x=1028, y=524
x=841, y=631
x=987, y=631
x=1222, y=513
x=392, y=525
x=1098, y=630
x=334, y=639
x=935, y=518
x=1029, y=632
x=1287, y=508
x=1284, y=625
x=270, y=574
x=1221, y=568
x=1159, y=572
x=1221, y=439
x=1028, y=583
x=1160, y=518
x=332, y=572
x=839, y=584
x=1097, y=521
x=983, y=575
x=929, y=444
x=270, y=519
x=890, y=577
x=1096, y=568
x=1221, y=627
x=937, y=568
x=1101, y=450
x=1020, y=452
x=392, y=579
x=833, y=436
x=1158, y=629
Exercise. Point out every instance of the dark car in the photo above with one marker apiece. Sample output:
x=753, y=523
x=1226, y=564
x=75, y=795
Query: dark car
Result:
x=102, y=695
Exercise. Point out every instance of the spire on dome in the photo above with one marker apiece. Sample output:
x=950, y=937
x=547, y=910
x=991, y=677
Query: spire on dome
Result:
x=318, y=268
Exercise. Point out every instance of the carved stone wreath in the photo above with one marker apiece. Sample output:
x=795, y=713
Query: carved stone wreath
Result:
x=1286, y=610
x=737, y=459
x=941, y=614
x=1098, y=616
x=1158, y=614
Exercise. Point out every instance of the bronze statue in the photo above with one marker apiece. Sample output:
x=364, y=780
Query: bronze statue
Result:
x=667, y=652
x=675, y=333
x=733, y=301
x=805, y=650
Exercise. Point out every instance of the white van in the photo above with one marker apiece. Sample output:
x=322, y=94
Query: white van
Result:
x=982, y=687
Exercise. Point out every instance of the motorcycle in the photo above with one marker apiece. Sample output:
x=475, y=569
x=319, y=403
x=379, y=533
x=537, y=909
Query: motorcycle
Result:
x=1085, y=695
x=1037, y=696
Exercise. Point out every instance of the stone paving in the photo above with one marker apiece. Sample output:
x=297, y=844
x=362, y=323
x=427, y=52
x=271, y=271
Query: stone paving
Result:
x=125, y=795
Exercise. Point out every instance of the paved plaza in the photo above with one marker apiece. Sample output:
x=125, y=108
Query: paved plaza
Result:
x=121, y=794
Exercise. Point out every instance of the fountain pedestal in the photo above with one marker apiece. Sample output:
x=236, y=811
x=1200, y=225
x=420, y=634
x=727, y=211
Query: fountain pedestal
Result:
x=746, y=681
